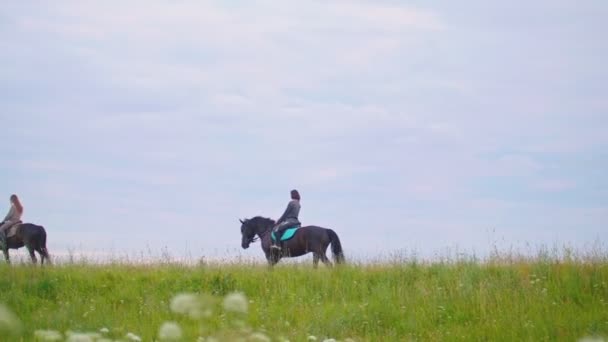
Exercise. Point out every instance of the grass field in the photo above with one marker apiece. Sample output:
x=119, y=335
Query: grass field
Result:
x=508, y=300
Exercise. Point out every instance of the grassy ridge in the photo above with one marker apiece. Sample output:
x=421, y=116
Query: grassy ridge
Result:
x=523, y=301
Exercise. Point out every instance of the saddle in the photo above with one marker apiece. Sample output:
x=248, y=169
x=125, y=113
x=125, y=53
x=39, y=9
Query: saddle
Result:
x=287, y=234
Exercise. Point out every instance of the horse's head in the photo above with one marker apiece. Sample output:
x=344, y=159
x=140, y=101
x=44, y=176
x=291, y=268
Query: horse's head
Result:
x=255, y=226
x=247, y=233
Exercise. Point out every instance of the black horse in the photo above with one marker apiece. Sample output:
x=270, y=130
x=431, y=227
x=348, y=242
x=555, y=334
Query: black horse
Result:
x=31, y=236
x=306, y=239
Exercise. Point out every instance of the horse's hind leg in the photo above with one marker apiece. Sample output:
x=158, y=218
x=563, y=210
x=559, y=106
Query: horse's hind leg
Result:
x=44, y=255
x=30, y=249
x=315, y=260
x=325, y=260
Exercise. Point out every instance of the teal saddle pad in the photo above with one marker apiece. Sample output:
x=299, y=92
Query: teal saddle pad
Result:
x=288, y=234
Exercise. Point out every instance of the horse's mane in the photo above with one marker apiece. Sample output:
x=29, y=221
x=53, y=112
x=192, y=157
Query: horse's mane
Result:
x=259, y=220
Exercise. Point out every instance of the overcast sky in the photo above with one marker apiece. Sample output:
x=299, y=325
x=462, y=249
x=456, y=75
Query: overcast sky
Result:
x=139, y=125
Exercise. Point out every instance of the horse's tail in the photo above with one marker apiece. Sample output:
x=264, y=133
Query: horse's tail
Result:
x=43, y=240
x=43, y=249
x=336, y=247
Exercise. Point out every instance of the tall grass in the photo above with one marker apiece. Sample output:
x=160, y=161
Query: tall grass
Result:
x=502, y=299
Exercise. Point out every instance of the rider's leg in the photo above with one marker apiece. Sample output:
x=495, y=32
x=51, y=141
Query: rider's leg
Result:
x=4, y=227
x=278, y=233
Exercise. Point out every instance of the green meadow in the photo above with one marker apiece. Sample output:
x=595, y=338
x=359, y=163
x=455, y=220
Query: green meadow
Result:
x=502, y=300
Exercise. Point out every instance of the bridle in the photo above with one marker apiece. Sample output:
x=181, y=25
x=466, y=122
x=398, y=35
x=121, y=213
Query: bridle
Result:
x=256, y=234
x=254, y=238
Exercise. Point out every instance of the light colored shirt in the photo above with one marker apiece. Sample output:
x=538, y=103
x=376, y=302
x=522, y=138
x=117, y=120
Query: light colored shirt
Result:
x=13, y=214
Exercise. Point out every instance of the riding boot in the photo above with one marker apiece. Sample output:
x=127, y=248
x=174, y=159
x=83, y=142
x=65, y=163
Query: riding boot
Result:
x=273, y=242
x=277, y=242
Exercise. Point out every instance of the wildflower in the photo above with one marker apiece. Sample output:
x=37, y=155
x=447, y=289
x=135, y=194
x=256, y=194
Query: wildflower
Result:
x=236, y=302
x=8, y=320
x=329, y=340
x=259, y=337
x=78, y=337
x=591, y=339
x=312, y=338
x=192, y=305
x=189, y=304
x=48, y=335
x=132, y=337
x=104, y=330
x=170, y=331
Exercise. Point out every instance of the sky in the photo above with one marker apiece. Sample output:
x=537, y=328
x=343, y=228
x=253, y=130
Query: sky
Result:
x=146, y=126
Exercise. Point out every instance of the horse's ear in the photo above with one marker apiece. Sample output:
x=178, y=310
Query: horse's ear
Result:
x=243, y=222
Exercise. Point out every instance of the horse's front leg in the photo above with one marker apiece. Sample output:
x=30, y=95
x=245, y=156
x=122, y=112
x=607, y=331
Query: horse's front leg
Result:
x=6, y=256
x=272, y=258
x=4, y=246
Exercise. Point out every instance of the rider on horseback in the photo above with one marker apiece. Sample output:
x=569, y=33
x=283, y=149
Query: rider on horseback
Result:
x=289, y=219
x=13, y=217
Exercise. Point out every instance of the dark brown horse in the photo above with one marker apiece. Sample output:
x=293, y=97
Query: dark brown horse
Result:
x=31, y=236
x=306, y=240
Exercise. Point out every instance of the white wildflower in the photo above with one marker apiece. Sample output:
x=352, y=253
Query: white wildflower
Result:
x=132, y=337
x=170, y=331
x=78, y=337
x=94, y=336
x=8, y=320
x=329, y=340
x=236, y=302
x=48, y=335
x=591, y=339
x=189, y=304
x=259, y=337
x=104, y=330
x=312, y=338
x=183, y=302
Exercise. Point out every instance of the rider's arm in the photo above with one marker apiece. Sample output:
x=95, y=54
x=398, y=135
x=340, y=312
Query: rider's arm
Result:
x=11, y=212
